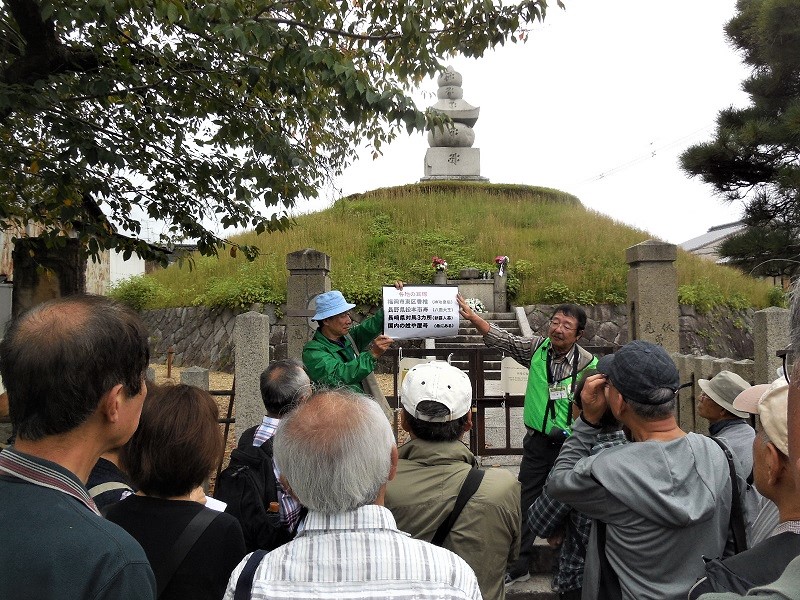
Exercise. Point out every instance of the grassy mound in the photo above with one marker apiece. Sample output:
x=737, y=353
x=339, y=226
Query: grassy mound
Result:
x=559, y=251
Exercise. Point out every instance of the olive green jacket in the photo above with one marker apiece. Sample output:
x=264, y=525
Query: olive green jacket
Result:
x=487, y=532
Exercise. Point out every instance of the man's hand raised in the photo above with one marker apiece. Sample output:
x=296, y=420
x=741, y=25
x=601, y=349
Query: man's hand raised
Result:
x=593, y=398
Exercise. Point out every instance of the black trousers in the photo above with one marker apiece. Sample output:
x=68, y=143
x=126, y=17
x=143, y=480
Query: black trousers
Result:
x=539, y=454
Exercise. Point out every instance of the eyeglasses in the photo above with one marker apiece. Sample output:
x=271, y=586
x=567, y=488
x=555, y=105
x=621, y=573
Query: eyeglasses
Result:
x=787, y=356
x=555, y=323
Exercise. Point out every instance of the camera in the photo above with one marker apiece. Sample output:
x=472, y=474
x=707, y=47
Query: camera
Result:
x=557, y=437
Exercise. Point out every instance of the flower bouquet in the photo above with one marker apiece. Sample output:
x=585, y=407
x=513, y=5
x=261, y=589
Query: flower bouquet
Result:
x=476, y=305
x=502, y=264
x=439, y=264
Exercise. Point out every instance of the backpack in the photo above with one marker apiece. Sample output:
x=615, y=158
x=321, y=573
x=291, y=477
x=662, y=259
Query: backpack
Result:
x=248, y=487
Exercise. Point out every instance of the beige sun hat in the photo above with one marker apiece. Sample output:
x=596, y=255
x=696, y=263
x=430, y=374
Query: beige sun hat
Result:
x=747, y=400
x=723, y=389
x=773, y=412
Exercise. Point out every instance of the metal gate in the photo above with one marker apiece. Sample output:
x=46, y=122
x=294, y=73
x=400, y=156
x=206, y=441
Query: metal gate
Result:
x=475, y=360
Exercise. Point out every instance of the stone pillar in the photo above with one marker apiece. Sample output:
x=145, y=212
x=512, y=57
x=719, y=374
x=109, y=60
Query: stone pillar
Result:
x=196, y=376
x=702, y=366
x=685, y=398
x=309, y=275
x=500, y=292
x=653, y=294
x=251, y=339
x=770, y=334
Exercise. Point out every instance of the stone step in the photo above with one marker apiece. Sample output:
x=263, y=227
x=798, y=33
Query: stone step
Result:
x=511, y=328
x=489, y=366
x=536, y=588
x=461, y=339
x=491, y=316
x=512, y=322
x=544, y=559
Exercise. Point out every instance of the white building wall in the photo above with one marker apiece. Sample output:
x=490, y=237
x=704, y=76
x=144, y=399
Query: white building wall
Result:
x=122, y=269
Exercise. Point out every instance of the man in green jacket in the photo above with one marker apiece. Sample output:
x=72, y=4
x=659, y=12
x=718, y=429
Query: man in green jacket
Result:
x=554, y=363
x=341, y=353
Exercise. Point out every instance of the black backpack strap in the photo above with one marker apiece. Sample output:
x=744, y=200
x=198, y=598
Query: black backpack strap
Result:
x=108, y=486
x=468, y=489
x=247, y=437
x=609, y=580
x=181, y=547
x=737, y=515
x=244, y=585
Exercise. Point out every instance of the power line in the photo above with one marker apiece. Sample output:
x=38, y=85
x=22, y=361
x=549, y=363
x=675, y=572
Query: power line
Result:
x=644, y=156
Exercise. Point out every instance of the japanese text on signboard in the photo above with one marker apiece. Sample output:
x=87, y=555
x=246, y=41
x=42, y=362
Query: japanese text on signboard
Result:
x=420, y=311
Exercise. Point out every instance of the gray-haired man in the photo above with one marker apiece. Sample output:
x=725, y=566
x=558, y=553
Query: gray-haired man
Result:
x=660, y=503
x=336, y=453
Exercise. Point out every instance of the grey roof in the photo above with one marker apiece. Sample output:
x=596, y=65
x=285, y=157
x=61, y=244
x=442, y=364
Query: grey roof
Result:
x=713, y=236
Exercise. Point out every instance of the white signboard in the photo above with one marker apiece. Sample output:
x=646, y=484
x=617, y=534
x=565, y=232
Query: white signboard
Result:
x=513, y=377
x=420, y=311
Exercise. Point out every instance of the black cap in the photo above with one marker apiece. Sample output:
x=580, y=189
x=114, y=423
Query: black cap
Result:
x=639, y=369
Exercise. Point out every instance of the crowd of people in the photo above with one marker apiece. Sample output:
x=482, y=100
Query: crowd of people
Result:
x=103, y=492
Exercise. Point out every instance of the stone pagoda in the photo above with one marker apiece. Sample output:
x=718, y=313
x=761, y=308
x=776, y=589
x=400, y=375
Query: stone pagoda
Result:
x=451, y=155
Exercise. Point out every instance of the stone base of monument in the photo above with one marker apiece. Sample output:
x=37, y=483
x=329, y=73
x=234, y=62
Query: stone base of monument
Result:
x=454, y=178
x=453, y=163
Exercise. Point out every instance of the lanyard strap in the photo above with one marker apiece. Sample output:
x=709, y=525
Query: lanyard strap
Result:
x=550, y=410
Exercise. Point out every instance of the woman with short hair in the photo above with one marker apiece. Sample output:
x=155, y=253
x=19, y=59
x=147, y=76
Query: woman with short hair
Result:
x=175, y=448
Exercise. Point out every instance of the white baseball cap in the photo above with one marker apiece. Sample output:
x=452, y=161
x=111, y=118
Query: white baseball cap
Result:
x=437, y=381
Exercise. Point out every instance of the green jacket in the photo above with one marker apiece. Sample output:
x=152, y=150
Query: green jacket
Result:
x=537, y=394
x=333, y=365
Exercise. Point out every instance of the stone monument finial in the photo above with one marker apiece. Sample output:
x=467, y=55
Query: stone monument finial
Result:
x=451, y=155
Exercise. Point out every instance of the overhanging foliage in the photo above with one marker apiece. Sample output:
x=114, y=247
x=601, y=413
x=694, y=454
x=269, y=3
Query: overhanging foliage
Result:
x=196, y=112
x=755, y=156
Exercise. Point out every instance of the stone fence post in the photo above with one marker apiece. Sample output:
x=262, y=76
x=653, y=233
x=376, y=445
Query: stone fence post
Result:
x=251, y=339
x=653, y=294
x=501, y=291
x=770, y=334
x=196, y=376
x=309, y=276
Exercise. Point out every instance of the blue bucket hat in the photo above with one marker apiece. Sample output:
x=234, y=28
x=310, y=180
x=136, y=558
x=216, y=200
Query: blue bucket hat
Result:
x=331, y=304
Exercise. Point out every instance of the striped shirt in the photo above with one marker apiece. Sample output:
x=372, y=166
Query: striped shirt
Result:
x=33, y=470
x=790, y=526
x=289, y=506
x=522, y=350
x=547, y=514
x=359, y=554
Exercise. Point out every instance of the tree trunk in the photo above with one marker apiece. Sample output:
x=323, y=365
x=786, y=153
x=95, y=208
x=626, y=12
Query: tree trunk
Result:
x=42, y=273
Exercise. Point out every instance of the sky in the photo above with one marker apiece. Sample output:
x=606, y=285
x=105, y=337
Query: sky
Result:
x=600, y=102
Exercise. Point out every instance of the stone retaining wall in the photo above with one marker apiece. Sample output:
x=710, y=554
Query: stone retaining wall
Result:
x=723, y=333
x=203, y=336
